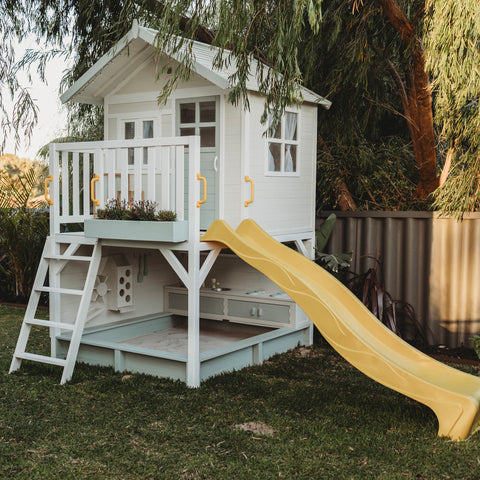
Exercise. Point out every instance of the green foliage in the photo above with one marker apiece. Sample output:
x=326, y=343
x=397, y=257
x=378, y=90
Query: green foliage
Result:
x=166, y=216
x=331, y=261
x=453, y=44
x=23, y=231
x=22, y=235
x=142, y=210
x=380, y=176
x=476, y=343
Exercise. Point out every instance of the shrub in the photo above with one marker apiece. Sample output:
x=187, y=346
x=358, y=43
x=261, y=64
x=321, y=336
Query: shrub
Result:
x=22, y=235
x=142, y=210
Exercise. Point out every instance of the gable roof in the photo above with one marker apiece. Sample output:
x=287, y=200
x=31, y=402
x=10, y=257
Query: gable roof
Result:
x=134, y=48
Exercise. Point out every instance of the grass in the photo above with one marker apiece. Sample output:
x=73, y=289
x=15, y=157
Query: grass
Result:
x=330, y=422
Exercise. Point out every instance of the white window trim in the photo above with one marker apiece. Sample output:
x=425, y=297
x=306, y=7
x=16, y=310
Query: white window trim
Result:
x=282, y=141
x=138, y=119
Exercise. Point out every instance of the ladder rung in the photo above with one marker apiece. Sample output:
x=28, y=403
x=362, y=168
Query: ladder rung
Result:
x=67, y=291
x=68, y=257
x=50, y=324
x=42, y=358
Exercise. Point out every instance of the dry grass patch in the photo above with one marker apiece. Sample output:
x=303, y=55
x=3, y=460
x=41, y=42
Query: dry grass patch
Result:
x=256, y=428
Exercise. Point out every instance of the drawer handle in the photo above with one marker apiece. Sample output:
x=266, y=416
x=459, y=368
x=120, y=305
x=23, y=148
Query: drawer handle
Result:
x=260, y=312
x=253, y=312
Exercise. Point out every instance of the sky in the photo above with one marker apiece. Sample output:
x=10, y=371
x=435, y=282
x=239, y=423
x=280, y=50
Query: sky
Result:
x=51, y=114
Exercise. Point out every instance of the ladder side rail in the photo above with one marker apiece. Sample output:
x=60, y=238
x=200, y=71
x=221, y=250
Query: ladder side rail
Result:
x=82, y=314
x=61, y=264
x=31, y=307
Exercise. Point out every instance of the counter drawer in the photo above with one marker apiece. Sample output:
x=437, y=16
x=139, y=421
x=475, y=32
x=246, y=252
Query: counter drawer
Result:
x=268, y=312
x=208, y=305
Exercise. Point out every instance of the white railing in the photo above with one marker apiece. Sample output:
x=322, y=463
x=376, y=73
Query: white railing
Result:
x=130, y=170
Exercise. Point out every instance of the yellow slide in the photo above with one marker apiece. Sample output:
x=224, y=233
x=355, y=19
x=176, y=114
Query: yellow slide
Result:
x=355, y=333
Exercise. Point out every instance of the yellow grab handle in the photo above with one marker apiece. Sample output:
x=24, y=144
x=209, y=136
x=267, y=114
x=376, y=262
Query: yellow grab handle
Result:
x=96, y=178
x=46, y=194
x=252, y=195
x=204, y=180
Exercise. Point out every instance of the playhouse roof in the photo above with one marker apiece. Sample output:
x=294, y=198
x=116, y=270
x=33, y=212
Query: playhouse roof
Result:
x=134, y=49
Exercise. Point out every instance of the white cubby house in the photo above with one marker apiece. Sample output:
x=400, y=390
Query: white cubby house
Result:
x=138, y=296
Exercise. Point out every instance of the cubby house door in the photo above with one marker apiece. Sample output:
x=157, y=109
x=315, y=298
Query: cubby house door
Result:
x=199, y=116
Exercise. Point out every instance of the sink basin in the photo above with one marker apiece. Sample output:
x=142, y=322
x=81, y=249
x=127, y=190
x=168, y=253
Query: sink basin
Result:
x=221, y=289
x=257, y=292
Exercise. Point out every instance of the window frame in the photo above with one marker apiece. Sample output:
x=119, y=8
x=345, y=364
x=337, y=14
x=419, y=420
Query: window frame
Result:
x=282, y=141
x=138, y=122
x=197, y=124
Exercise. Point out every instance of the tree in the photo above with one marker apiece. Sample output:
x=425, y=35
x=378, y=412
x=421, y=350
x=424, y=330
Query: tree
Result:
x=453, y=46
x=275, y=33
x=380, y=46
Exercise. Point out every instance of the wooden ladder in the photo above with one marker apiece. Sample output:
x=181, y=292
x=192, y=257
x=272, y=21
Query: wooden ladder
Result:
x=54, y=261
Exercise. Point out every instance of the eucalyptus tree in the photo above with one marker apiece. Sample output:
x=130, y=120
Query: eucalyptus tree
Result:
x=453, y=44
x=369, y=57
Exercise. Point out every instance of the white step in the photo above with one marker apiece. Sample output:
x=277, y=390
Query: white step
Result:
x=42, y=359
x=68, y=257
x=66, y=291
x=50, y=324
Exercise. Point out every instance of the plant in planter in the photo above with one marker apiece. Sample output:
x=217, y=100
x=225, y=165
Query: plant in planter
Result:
x=142, y=210
x=147, y=224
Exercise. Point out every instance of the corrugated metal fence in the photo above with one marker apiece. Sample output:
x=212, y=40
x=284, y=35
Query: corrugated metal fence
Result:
x=430, y=261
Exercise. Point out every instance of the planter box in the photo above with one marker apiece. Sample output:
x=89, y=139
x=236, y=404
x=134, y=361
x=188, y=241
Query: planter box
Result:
x=136, y=230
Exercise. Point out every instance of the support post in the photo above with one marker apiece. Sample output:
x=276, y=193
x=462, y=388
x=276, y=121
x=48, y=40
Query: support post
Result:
x=193, y=342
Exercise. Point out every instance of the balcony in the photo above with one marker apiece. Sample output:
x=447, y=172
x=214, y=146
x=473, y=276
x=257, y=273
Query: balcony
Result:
x=85, y=175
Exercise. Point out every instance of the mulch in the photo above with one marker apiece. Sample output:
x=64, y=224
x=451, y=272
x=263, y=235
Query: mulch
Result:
x=442, y=353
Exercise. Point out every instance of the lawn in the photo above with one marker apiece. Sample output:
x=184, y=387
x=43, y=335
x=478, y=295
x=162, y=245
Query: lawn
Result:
x=313, y=417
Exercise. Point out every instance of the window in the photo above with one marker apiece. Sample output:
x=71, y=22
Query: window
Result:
x=199, y=118
x=135, y=128
x=283, y=144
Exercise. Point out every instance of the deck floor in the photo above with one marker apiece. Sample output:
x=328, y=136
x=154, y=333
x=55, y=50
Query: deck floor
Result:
x=213, y=334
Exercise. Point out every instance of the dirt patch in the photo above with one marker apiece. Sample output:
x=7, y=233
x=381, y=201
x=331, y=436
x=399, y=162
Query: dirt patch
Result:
x=307, y=352
x=255, y=428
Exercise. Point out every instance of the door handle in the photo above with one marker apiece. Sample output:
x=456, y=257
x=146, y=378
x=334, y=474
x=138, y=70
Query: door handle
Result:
x=95, y=201
x=215, y=164
x=204, y=199
x=48, y=198
x=252, y=191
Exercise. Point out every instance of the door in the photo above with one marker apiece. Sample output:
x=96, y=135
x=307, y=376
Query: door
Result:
x=200, y=116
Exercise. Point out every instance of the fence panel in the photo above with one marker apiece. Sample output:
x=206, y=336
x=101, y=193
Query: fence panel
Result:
x=430, y=261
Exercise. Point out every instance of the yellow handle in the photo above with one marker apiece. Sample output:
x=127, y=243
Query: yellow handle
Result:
x=252, y=196
x=46, y=194
x=204, y=180
x=96, y=178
